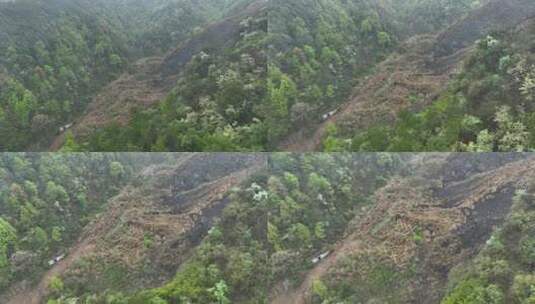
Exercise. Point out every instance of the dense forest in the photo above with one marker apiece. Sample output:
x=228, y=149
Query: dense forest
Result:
x=307, y=58
x=218, y=102
x=324, y=48
x=54, y=56
x=471, y=90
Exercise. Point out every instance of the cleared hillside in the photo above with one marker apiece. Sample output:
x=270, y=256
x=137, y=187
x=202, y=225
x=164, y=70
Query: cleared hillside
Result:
x=150, y=228
x=403, y=248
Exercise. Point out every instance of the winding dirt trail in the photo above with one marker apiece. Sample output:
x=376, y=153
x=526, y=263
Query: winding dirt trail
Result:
x=303, y=292
x=201, y=201
x=37, y=294
x=381, y=96
x=303, y=141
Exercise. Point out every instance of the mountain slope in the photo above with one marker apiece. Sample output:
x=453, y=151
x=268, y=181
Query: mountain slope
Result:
x=402, y=249
x=59, y=54
x=213, y=84
x=300, y=228
x=493, y=80
x=56, y=53
x=46, y=200
x=149, y=229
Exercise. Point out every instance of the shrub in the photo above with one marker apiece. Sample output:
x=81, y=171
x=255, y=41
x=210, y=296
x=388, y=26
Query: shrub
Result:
x=527, y=249
x=474, y=291
x=524, y=288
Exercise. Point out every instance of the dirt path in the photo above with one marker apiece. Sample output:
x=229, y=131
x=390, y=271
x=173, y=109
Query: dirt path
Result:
x=303, y=141
x=303, y=292
x=141, y=87
x=37, y=294
x=200, y=200
x=380, y=97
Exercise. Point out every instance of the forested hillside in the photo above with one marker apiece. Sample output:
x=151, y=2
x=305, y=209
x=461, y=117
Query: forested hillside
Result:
x=179, y=232
x=57, y=55
x=268, y=228
x=466, y=89
x=485, y=107
x=217, y=101
x=256, y=75
x=292, y=62
x=324, y=48
x=46, y=200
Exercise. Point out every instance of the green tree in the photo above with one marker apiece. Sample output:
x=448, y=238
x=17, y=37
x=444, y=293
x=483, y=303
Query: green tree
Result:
x=116, y=170
x=56, y=285
x=384, y=39
x=70, y=144
x=511, y=135
x=274, y=237
x=300, y=236
x=319, y=230
x=319, y=184
x=282, y=93
x=54, y=192
x=524, y=288
x=56, y=234
x=8, y=237
x=39, y=239
x=475, y=292
x=220, y=291
x=319, y=289
x=291, y=181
